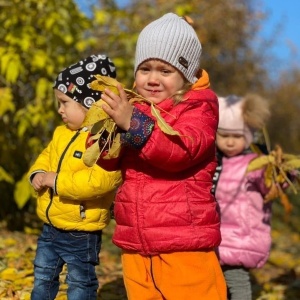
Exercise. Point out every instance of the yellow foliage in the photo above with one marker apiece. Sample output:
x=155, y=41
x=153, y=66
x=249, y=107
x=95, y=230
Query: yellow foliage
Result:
x=29, y=230
x=39, y=59
x=42, y=87
x=22, y=192
x=14, y=255
x=5, y=176
x=6, y=103
x=277, y=165
x=9, y=274
x=9, y=242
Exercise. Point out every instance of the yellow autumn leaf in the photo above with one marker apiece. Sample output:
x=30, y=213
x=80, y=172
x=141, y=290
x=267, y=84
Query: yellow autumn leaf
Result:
x=22, y=192
x=287, y=156
x=61, y=297
x=95, y=114
x=291, y=164
x=26, y=281
x=91, y=155
x=109, y=125
x=9, y=274
x=260, y=162
x=9, y=242
x=286, y=203
x=103, y=82
x=268, y=176
x=13, y=255
x=272, y=194
x=6, y=103
x=115, y=148
x=5, y=176
x=3, y=292
x=29, y=230
x=163, y=125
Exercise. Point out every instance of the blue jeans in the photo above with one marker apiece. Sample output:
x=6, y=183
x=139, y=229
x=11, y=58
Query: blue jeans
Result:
x=79, y=250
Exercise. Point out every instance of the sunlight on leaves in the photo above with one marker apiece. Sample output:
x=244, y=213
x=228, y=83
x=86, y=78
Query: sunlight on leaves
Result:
x=278, y=168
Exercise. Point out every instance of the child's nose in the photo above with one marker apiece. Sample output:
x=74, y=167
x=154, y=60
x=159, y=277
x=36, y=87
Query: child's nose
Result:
x=153, y=79
x=230, y=141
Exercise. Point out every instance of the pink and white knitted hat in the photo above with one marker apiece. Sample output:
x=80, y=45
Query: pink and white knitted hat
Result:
x=231, y=118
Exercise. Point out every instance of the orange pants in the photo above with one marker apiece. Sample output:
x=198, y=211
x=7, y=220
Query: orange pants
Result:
x=173, y=276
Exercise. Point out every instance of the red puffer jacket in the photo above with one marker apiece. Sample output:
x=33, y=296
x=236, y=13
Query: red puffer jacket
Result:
x=165, y=202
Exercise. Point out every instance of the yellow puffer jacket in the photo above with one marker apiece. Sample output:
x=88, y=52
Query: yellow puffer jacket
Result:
x=83, y=195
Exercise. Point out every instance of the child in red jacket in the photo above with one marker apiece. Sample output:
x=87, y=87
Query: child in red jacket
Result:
x=167, y=220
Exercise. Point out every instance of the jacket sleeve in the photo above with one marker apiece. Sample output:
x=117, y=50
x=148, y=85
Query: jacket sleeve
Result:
x=197, y=125
x=87, y=184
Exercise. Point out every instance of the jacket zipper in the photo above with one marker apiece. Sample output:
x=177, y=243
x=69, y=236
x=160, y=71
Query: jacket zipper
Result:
x=57, y=171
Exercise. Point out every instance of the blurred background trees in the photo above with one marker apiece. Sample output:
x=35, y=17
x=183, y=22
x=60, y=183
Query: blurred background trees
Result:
x=40, y=37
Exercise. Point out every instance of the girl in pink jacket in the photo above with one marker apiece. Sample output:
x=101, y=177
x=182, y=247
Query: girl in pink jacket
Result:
x=245, y=218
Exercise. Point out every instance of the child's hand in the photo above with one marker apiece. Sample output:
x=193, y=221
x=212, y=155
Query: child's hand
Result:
x=37, y=181
x=118, y=107
x=49, y=179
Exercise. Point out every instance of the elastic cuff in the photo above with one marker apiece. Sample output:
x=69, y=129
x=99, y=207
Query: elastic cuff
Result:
x=141, y=127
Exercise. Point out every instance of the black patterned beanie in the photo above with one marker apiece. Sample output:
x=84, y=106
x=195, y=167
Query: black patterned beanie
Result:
x=75, y=80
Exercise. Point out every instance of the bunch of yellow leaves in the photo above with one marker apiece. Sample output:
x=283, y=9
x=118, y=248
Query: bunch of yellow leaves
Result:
x=104, y=131
x=277, y=167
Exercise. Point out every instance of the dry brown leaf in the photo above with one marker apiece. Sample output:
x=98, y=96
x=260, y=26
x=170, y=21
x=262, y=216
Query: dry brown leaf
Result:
x=272, y=194
x=286, y=203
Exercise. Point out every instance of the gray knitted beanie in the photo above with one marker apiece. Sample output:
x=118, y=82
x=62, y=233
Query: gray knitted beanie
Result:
x=173, y=40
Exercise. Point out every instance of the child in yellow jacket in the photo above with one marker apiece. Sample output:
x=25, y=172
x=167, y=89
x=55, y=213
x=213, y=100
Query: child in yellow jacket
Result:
x=73, y=199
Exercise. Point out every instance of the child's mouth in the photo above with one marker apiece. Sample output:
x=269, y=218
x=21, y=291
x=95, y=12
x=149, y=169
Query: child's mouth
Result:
x=153, y=92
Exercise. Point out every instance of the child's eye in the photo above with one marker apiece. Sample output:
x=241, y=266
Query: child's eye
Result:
x=165, y=71
x=143, y=69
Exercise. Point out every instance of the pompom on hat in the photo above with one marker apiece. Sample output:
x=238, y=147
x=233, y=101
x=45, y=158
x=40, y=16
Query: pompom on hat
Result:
x=75, y=80
x=243, y=115
x=173, y=40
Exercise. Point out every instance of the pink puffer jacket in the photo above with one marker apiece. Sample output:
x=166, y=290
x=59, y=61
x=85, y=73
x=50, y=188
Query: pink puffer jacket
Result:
x=245, y=219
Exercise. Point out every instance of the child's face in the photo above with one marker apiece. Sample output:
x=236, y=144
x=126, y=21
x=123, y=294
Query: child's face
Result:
x=72, y=113
x=230, y=144
x=157, y=80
